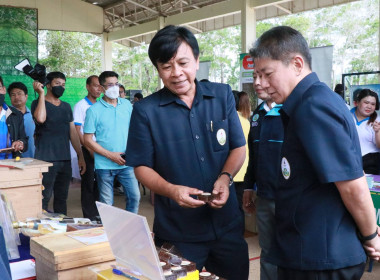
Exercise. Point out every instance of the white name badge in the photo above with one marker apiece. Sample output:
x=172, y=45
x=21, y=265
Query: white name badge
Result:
x=221, y=136
x=285, y=168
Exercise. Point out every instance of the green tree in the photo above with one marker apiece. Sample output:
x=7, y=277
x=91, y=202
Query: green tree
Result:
x=73, y=53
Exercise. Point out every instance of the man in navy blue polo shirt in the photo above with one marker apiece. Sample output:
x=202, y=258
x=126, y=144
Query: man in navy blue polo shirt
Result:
x=264, y=143
x=322, y=196
x=187, y=139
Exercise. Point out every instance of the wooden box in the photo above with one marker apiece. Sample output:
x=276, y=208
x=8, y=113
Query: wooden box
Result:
x=59, y=256
x=23, y=187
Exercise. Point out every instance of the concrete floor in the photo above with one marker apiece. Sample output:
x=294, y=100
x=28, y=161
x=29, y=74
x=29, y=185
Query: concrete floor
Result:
x=146, y=209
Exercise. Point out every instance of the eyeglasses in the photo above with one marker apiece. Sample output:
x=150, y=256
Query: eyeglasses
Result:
x=111, y=85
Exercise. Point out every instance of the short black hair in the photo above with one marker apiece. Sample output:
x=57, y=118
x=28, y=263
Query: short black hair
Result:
x=107, y=74
x=121, y=86
x=166, y=42
x=89, y=79
x=55, y=75
x=138, y=95
x=281, y=43
x=17, y=85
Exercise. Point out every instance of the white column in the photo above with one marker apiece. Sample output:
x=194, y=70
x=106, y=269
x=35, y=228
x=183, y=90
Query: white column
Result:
x=106, y=53
x=248, y=26
x=160, y=25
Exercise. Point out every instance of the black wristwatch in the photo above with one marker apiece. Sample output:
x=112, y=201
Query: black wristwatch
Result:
x=229, y=176
x=368, y=237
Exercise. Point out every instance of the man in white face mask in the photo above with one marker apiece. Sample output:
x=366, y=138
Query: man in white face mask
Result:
x=108, y=119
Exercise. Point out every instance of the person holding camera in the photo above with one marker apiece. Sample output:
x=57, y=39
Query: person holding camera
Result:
x=108, y=119
x=12, y=131
x=54, y=131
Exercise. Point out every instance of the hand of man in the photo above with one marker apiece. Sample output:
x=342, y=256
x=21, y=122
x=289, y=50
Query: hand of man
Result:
x=116, y=157
x=181, y=194
x=221, y=192
x=18, y=145
x=38, y=87
x=249, y=197
x=81, y=164
x=373, y=247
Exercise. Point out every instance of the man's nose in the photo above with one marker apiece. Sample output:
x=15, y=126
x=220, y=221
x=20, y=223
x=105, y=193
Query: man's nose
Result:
x=265, y=83
x=175, y=70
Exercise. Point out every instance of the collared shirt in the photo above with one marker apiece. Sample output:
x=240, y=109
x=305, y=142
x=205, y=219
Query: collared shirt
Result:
x=110, y=125
x=314, y=230
x=187, y=147
x=366, y=134
x=265, y=141
x=79, y=113
x=29, y=130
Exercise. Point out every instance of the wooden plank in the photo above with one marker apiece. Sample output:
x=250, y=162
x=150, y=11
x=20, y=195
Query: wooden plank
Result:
x=26, y=200
x=44, y=272
x=66, y=252
x=19, y=174
x=21, y=183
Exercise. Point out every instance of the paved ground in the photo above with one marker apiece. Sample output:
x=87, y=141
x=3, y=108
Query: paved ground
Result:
x=146, y=209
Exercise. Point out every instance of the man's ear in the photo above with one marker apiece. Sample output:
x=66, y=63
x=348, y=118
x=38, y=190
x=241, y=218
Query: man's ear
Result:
x=298, y=64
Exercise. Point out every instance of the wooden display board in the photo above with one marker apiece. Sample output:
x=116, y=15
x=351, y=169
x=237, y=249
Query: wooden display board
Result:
x=23, y=187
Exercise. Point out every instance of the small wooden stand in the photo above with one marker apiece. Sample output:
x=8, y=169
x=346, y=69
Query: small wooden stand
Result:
x=23, y=187
x=59, y=256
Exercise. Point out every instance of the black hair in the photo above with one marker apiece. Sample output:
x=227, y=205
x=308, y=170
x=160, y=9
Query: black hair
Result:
x=17, y=85
x=236, y=97
x=121, y=86
x=55, y=75
x=367, y=92
x=339, y=89
x=138, y=95
x=281, y=43
x=166, y=42
x=106, y=74
x=89, y=79
x=1, y=81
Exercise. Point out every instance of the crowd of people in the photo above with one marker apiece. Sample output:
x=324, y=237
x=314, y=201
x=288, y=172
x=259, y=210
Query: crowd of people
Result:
x=297, y=160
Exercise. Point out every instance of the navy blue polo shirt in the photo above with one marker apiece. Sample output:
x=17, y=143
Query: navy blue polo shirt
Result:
x=314, y=230
x=264, y=143
x=187, y=147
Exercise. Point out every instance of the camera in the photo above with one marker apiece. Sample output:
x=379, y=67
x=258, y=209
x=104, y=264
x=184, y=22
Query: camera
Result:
x=37, y=73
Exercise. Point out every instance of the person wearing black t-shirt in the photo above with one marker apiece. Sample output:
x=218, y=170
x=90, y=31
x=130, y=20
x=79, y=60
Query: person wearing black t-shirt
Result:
x=54, y=131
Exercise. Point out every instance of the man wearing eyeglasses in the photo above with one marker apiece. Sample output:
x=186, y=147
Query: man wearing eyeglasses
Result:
x=109, y=121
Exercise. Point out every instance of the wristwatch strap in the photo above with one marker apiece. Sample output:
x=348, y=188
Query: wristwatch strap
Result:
x=368, y=237
x=229, y=176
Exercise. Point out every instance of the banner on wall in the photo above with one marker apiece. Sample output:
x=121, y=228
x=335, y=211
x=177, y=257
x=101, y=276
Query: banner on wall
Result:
x=246, y=69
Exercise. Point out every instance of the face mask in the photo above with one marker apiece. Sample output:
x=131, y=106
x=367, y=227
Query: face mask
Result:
x=57, y=91
x=112, y=92
x=2, y=98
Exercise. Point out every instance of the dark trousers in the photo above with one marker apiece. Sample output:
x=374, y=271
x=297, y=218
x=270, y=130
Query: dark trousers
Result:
x=57, y=181
x=89, y=188
x=226, y=257
x=347, y=273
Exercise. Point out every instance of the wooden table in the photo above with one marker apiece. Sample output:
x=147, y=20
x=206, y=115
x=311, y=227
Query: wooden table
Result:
x=23, y=187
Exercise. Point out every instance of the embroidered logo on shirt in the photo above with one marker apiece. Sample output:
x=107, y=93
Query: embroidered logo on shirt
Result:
x=253, y=124
x=285, y=168
x=221, y=136
x=255, y=117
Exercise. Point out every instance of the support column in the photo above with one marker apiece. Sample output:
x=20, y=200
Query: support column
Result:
x=160, y=25
x=106, y=53
x=248, y=26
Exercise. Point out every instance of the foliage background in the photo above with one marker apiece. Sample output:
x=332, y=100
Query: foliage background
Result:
x=351, y=28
